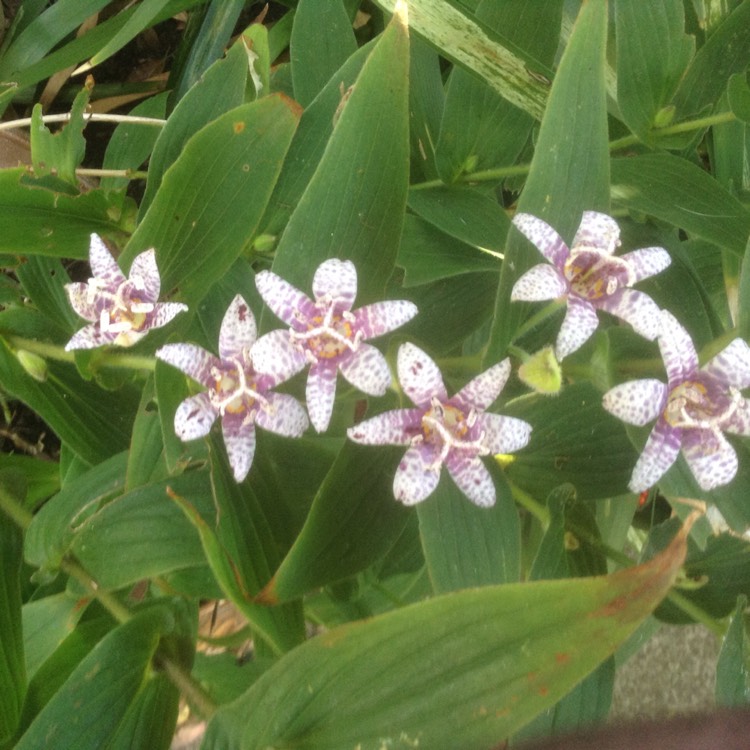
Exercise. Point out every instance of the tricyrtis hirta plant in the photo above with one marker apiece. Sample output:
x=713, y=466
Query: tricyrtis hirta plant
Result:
x=328, y=335
x=121, y=310
x=692, y=410
x=589, y=276
x=453, y=431
x=235, y=392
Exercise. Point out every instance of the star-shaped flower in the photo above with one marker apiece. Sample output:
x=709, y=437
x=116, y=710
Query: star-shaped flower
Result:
x=590, y=277
x=122, y=311
x=692, y=411
x=453, y=431
x=236, y=392
x=328, y=335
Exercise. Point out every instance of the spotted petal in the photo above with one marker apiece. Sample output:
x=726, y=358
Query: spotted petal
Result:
x=103, y=265
x=82, y=301
x=397, y=427
x=415, y=480
x=239, y=440
x=163, y=313
x=710, y=457
x=382, y=317
x=739, y=422
x=598, y=231
x=637, y=402
x=320, y=394
x=286, y=301
x=540, y=283
x=480, y=392
x=90, y=337
x=194, y=417
x=659, y=453
x=731, y=366
x=144, y=276
x=473, y=479
x=336, y=279
x=367, y=370
x=284, y=415
x=677, y=350
x=547, y=240
x=275, y=355
x=636, y=308
x=646, y=262
x=577, y=328
x=504, y=434
x=193, y=360
x=238, y=330
x=419, y=375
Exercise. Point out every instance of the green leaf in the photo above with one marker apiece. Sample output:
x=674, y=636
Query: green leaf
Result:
x=733, y=666
x=653, y=52
x=42, y=477
x=146, y=461
x=515, y=75
x=44, y=280
x=354, y=203
x=738, y=94
x=462, y=670
x=220, y=89
x=322, y=40
x=743, y=301
x=353, y=522
x=106, y=682
x=12, y=664
x=468, y=546
x=569, y=173
x=678, y=192
x=193, y=222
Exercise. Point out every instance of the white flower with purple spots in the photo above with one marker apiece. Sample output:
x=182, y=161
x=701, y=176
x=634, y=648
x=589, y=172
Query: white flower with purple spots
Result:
x=590, y=277
x=235, y=391
x=692, y=411
x=328, y=335
x=122, y=311
x=453, y=432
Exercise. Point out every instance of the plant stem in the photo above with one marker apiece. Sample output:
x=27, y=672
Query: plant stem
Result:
x=128, y=174
x=192, y=690
x=24, y=122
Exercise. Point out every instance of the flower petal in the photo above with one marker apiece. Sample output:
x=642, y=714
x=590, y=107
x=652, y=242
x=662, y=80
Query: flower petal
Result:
x=504, y=434
x=547, y=240
x=81, y=301
x=473, y=479
x=397, y=427
x=646, y=262
x=539, y=283
x=194, y=417
x=90, y=337
x=238, y=330
x=598, y=231
x=382, y=317
x=336, y=279
x=419, y=375
x=710, y=457
x=480, y=392
x=286, y=301
x=635, y=308
x=637, y=402
x=731, y=366
x=275, y=355
x=415, y=480
x=144, y=276
x=193, y=360
x=103, y=264
x=320, y=394
x=284, y=415
x=677, y=350
x=367, y=370
x=163, y=314
x=239, y=440
x=739, y=422
x=577, y=328
x=659, y=453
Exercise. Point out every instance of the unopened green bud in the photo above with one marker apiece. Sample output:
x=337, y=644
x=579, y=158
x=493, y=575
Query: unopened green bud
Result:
x=33, y=364
x=664, y=116
x=541, y=371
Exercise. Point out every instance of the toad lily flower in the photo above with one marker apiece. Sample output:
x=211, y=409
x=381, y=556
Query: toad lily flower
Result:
x=691, y=412
x=122, y=311
x=590, y=277
x=236, y=392
x=327, y=335
x=453, y=431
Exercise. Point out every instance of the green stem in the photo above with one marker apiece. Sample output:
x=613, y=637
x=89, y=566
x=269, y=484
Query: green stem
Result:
x=192, y=690
x=14, y=510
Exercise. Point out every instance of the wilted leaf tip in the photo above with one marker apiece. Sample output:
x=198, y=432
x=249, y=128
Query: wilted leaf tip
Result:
x=401, y=12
